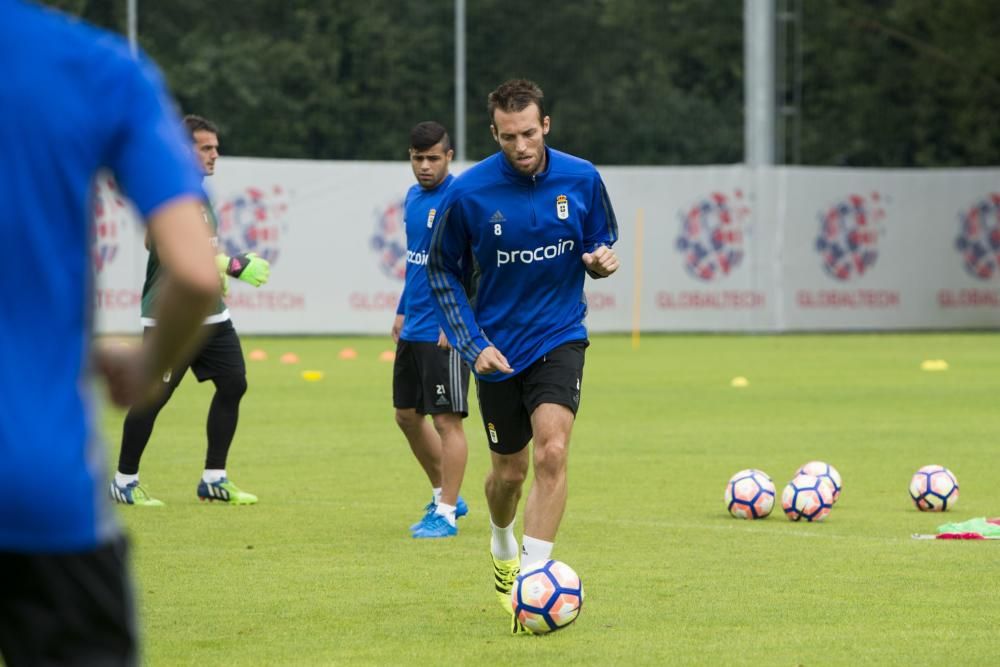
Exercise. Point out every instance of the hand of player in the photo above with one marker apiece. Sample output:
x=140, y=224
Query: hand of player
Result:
x=397, y=327
x=490, y=361
x=250, y=268
x=443, y=340
x=603, y=261
x=128, y=378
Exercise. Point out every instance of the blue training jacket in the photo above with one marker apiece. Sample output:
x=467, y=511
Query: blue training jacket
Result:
x=416, y=302
x=73, y=101
x=505, y=262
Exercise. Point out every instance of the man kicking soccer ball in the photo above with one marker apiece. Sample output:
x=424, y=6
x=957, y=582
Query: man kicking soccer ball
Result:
x=528, y=224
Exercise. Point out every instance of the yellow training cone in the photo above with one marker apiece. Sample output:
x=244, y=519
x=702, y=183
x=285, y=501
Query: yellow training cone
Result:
x=739, y=382
x=312, y=376
x=934, y=365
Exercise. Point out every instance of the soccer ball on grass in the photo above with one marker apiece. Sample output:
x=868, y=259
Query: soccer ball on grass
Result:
x=547, y=596
x=807, y=497
x=934, y=489
x=823, y=471
x=750, y=494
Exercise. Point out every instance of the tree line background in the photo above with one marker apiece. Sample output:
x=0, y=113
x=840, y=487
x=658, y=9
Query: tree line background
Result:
x=872, y=83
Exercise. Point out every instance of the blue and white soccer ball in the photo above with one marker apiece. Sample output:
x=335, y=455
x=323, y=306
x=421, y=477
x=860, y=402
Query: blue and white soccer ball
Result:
x=823, y=471
x=807, y=497
x=750, y=494
x=547, y=596
x=934, y=489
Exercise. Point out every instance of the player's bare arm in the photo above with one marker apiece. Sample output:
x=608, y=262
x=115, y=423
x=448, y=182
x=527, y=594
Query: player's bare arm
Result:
x=133, y=373
x=182, y=239
x=603, y=261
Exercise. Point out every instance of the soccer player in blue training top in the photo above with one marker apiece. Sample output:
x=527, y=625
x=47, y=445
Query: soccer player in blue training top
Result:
x=429, y=377
x=220, y=360
x=73, y=102
x=522, y=228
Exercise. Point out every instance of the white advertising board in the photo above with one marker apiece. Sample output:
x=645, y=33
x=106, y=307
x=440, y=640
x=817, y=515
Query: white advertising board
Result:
x=725, y=248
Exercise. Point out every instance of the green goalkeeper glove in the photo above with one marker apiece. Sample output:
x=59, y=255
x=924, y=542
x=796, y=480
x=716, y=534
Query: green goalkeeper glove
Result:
x=249, y=268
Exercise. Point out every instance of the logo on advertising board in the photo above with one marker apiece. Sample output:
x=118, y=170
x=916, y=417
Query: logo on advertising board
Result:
x=978, y=244
x=389, y=240
x=979, y=237
x=254, y=220
x=712, y=239
x=848, y=236
x=712, y=234
x=112, y=213
x=847, y=244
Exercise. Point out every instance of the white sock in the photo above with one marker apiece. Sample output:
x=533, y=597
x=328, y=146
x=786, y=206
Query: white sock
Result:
x=503, y=545
x=437, y=495
x=121, y=479
x=213, y=475
x=447, y=511
x=534, y=551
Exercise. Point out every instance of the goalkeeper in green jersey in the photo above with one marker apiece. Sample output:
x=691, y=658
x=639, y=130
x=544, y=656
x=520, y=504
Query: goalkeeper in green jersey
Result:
x=219, y=359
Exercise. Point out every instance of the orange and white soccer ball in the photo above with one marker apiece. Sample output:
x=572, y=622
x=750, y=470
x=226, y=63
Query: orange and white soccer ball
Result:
x=750, y=494
x=934, y=489
x=807, y=497
x=824, y=472
x=547, y=596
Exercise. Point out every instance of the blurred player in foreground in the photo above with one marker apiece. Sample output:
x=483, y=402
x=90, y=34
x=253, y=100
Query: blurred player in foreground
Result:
x=429, y=377
x=78, y=103
x=528, y=224
x=220, y=359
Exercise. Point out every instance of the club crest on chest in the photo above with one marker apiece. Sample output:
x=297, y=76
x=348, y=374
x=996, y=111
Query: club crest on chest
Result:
x=562, y=207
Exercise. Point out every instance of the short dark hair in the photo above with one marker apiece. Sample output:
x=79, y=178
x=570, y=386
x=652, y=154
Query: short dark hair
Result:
x=516, y=95
x=428, y=133
x=198, y=124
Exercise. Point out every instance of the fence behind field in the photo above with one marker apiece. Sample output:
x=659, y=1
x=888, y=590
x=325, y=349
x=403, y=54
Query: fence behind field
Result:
x=727, y=248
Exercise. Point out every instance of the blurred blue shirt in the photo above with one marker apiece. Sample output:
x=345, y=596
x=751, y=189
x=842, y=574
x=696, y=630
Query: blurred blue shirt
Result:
x=73, y=101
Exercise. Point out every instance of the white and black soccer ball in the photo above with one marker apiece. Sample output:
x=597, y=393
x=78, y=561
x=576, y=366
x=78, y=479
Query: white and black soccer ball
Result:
x=934, y=488
x=750, y=494
x=807, y=497
x=824, y=472
x=547, y=596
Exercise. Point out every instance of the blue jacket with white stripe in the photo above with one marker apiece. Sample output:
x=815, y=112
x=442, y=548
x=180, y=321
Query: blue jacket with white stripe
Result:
x=505, y=261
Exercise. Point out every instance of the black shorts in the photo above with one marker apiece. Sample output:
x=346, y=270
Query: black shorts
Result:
x=507, y=405
x=220, y=354
x=429, y=379
x=68, y=609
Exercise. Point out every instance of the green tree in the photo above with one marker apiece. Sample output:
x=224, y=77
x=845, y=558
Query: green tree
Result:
x=890, y=83
x=911, y=83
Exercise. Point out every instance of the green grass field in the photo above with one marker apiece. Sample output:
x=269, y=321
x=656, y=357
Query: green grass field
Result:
x=323, y=571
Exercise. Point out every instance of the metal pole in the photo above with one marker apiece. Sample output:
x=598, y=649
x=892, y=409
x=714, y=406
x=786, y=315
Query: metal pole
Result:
x=797, y=97
x=133, y=26
x=758, y=81
x=460, y=80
